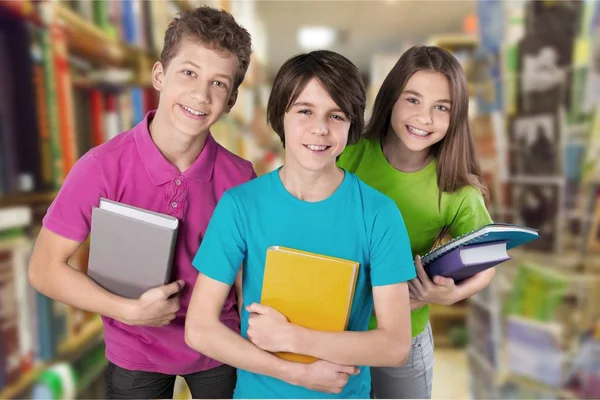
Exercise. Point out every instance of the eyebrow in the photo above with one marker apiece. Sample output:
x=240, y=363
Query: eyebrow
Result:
x=306, y=104
x=223, y=76
x=419, y=95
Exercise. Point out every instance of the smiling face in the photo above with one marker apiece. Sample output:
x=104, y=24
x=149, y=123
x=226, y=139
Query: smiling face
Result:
x=196, y=87
x=315, y=129
x=421, y=115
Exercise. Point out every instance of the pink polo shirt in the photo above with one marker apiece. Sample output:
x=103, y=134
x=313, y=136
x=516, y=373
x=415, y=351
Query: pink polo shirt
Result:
x=129, y=168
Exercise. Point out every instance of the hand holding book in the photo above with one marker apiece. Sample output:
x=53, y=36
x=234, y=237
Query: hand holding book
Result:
x=268, y=328
x=438, y=290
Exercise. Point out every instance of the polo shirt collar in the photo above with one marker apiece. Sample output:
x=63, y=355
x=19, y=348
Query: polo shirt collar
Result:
x=160, y=169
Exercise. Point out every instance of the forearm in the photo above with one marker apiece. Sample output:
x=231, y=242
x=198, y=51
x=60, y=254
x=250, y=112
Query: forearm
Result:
x=67, y=285
x=219, y=342
x=474, y=284
x=376, y=348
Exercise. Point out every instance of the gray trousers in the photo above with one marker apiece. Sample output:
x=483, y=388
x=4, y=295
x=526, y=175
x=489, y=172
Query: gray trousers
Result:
x=413, y=380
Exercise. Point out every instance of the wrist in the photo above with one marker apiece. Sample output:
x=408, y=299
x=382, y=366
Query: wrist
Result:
x=127, y=310
x=292, y=339
x=291, y=372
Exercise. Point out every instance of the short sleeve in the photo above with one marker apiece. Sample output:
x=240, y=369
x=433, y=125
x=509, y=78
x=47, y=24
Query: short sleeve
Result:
x=469, y=213
x=391, y=257
x=224, y=246
x=70, y=213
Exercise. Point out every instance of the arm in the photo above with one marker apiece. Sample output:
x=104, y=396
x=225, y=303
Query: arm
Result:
x=50, y=274
x=66, y=225
x=239, y=292
x=444, y=291
x=388, y=345
x=205, y=333
x=469, y=215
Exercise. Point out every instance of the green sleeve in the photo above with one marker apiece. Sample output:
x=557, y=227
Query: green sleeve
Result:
x=469, y=212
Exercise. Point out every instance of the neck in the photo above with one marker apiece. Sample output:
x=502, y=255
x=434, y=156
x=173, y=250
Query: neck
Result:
x=401, y=157
x=179, y=149
x=311, y=186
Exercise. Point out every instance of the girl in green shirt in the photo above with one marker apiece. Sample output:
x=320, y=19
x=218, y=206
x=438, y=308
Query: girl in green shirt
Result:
x=418, y=150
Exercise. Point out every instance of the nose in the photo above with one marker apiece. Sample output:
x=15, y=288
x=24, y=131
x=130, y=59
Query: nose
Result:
x=424, y=116
x=200, y=93
x=320, y=127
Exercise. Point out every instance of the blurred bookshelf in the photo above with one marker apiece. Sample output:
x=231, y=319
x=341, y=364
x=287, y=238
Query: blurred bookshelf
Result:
x=83, y=73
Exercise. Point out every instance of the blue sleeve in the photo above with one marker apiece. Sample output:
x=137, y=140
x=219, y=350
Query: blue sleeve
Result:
x=391, y=257
x=223, y=247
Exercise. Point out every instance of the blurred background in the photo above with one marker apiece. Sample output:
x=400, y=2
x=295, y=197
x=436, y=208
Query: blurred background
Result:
x=74, y=74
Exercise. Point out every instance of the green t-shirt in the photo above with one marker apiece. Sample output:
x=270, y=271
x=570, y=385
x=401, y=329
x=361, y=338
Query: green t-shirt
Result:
x=416, y=195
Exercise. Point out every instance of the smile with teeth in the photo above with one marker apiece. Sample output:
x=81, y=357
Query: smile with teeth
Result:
x=192, y=111
x=314, y=147
x=418, y=132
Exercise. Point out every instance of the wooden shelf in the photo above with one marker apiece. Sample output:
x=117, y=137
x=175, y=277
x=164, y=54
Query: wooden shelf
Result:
x=86, y=39
x=91, y=333
x=28, y=199
x=89, y=336
x=22, y=384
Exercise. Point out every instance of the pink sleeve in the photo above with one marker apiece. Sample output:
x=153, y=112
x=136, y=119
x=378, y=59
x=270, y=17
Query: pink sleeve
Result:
x=70, y=213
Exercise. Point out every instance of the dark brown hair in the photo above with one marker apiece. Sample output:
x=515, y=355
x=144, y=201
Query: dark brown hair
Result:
x=457, y=162
x=216, y=29
x=338, y=75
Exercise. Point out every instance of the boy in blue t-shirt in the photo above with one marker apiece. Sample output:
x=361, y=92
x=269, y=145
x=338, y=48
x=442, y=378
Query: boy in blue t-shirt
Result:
x=316, y=107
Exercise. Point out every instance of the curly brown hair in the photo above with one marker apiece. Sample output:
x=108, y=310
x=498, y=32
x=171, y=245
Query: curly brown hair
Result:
x=214, y=28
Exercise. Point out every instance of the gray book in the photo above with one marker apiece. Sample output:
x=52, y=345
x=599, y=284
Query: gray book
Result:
x=131, y=249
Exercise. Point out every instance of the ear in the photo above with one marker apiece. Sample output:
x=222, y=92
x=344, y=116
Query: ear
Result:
x=231, y=101
x=158, y=76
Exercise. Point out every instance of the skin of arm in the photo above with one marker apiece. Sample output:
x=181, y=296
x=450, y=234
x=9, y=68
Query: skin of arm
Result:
x=388, y=345
x=205, y=333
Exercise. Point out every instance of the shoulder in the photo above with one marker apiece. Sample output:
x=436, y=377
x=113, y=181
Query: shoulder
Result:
x=251, y=189
x=373, y=201
x=114, y=149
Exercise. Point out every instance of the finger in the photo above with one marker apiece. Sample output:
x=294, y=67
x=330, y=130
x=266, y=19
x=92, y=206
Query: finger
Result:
x=443, y=281
x=350, y=370
x=417, y=288
x=173, y=305
x=258, y=308
x=172, y=288
x=423, y=277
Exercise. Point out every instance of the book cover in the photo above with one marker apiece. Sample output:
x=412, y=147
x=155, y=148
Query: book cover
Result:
x=312, y=290
x=515, y=235
x=131, y=249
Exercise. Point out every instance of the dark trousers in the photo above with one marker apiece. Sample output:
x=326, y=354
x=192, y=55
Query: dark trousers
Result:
x=216, y=383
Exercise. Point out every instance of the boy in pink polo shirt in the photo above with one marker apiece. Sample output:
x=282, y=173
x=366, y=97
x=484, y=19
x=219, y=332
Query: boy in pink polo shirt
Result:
x=168, y=163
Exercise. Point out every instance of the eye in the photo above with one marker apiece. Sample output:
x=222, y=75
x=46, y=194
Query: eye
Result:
x=337, y=117
x=219, y=84
x=306, y=112
x=412, y=100
x=442, y=108
x=188, y=73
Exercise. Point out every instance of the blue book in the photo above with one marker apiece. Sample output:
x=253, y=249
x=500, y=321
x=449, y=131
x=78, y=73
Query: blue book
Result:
x=514, y=235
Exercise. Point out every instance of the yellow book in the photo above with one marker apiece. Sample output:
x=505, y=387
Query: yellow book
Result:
x=311, y=290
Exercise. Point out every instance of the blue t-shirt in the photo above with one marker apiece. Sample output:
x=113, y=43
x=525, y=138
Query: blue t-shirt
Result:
x=355, y=223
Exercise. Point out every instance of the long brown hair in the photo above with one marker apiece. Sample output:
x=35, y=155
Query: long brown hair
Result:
x=457, y=162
